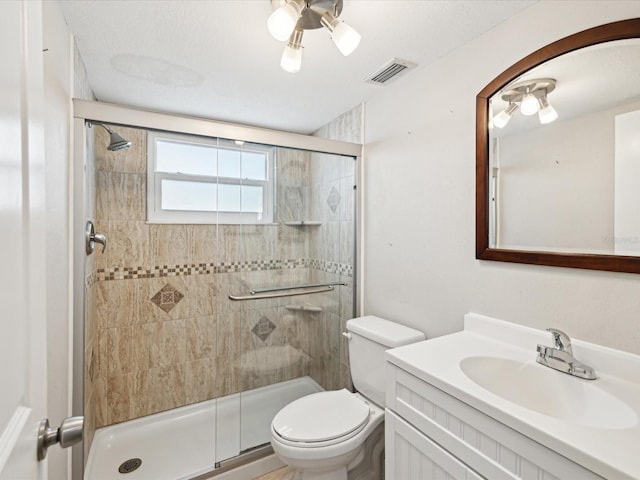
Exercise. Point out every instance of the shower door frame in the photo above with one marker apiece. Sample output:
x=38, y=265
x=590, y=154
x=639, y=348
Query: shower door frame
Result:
x=121, y=115
x=84, y=110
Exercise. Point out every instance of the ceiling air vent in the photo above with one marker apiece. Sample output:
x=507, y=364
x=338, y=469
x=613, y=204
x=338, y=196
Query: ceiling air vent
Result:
x=389, y=71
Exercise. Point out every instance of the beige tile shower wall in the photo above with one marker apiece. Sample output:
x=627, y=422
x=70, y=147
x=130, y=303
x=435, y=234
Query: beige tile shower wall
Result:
x=293, y=168
x=168, y=341
x=156, y=337
x=346, y=128
x=304, y=185
x=284, y=353
x=331, y=196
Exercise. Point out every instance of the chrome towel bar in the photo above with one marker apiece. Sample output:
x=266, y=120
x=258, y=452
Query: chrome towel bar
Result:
x=275, y=292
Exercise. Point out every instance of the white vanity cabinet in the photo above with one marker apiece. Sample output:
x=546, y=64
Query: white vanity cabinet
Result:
x=430, y=434
x=412, y=455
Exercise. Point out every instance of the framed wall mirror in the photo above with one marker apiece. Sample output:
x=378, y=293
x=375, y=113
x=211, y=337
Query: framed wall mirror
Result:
x=558, y=155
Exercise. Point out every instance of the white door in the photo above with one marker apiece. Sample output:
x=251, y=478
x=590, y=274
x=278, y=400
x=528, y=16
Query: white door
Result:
x=23, y=383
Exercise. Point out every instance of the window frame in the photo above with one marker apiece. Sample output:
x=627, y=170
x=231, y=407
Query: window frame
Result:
x=157, y=215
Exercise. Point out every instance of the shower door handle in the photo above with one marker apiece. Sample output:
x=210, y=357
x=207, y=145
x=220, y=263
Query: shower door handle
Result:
x=91, y=238
x=69, y=433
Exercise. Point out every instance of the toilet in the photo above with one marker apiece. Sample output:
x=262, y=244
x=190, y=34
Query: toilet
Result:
x=339, y=435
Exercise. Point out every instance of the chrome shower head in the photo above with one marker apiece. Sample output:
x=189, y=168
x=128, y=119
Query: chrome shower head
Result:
x=116, y=142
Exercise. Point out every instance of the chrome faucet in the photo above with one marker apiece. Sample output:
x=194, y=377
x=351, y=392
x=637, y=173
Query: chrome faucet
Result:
x=560, y=356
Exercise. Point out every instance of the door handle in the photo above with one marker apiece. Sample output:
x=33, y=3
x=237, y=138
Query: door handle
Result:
x=69, y=433
x=91, y=238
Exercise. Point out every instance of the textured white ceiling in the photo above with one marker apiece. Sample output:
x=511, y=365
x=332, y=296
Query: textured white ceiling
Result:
x=216, y=59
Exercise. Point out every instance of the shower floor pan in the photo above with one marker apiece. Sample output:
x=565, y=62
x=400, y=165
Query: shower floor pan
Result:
x=184, y=442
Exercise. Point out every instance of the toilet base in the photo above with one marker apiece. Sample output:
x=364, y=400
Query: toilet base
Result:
x=368, y=464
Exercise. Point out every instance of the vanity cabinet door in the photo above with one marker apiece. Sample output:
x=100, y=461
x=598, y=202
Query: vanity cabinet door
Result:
x=492, y=449
x=410, y=455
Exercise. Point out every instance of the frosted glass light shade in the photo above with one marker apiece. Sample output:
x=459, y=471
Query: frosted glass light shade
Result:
x=345, y=38
x=291, y=60
x=501, y=119
x=504, y=116
x=547, y=113
x=283, y=21
x=529, y=105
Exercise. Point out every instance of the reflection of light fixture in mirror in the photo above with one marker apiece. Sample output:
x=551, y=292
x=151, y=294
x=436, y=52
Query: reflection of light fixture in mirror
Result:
x=529, y=105
x=547, y=113
x=504, y=116
x=531, y=97
x=291, y=60
x=292, y=17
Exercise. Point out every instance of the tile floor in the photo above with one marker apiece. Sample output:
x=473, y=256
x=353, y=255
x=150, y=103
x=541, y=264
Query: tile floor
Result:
x=284, y=473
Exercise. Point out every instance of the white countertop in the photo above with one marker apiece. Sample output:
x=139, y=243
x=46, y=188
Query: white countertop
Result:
x=613, y=453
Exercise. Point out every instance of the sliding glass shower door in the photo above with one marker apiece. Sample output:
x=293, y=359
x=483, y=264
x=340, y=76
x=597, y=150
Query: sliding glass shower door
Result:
x=221, y=297
x=284, y=292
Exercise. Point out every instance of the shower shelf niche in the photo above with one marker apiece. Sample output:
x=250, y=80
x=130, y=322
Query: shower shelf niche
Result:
x=304, y=223
x=305, y=308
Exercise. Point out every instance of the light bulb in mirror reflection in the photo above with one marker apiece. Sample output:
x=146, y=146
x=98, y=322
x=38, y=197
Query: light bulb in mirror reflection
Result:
x=547, y=113
x=529, y=105
x=504, y=116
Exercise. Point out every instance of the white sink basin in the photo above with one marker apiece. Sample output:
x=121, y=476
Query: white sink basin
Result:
x=547, y=391
x=491, y=366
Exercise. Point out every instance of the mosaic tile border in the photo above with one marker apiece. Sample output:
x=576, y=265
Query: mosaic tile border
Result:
x=331, y=267
x=130, y=273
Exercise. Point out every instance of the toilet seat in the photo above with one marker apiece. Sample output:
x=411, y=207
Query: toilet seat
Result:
x=321, y=419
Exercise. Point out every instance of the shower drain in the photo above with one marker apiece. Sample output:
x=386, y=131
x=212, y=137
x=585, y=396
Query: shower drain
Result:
x=130, y=465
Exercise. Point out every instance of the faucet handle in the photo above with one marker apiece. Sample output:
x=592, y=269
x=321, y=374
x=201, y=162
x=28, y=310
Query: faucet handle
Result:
x=561, y=340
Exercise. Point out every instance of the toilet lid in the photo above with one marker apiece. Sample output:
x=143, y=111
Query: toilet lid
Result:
x=321, y=416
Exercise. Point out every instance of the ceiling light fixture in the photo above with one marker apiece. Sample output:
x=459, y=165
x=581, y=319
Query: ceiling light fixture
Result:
x=283, y=21
x=343, y=35
x=531, y=97
x=291, y=60
x=292, y=17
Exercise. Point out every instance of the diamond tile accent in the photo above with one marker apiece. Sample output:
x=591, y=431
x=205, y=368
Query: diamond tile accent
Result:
x=333, y=200
x=167, y=298
x=263, y=328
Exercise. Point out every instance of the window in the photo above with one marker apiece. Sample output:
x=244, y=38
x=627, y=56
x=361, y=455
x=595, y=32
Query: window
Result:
x=203, y=180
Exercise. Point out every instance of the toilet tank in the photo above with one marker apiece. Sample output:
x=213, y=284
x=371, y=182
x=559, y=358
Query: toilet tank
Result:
x=370, y=337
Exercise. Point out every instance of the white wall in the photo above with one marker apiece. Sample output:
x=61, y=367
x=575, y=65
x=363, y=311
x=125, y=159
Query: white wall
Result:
x=57, y=91
x=626, y=238
x=420, y=200
x=556, y=189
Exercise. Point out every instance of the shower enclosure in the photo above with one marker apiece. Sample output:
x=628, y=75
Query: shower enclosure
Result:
x=221, y=297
